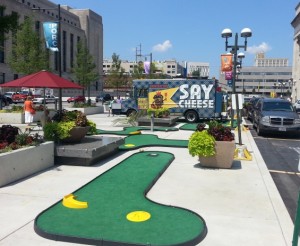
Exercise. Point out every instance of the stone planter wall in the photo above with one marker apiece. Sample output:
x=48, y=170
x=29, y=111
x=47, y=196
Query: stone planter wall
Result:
x=19, y=118
x=89, y=110
x=24, y=162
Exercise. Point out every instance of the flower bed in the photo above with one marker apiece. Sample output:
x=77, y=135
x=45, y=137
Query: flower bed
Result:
x=24, y=162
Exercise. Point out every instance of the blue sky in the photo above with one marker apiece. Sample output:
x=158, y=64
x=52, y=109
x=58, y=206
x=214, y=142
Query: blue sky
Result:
x=190, y=30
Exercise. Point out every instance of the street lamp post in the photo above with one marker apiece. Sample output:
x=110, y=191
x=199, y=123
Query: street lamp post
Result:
x=227, y=33
x=281, y=85
x=58, y=52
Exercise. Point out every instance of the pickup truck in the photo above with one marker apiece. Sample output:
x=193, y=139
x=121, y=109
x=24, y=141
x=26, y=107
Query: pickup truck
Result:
x=21, y=96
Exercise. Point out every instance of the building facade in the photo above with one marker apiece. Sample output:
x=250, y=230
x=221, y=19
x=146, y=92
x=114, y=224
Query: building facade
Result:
x=269, y=77
x=168, y=67
x=76, y=25
x=296, y=54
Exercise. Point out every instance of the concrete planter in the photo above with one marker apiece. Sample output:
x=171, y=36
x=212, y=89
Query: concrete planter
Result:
x=24, y=162
x=223, y=158
x=89, y=110
x=19, y=118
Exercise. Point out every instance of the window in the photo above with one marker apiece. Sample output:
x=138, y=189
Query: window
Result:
x=2, y=78
x=64, y=50
x=71, y=50
x=37, y=27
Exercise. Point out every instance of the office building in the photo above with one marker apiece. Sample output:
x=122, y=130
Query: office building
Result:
x=76, y=25
x=269, y=77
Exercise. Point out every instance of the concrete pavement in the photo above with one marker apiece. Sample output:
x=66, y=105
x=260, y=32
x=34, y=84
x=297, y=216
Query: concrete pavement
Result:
x=241, y=205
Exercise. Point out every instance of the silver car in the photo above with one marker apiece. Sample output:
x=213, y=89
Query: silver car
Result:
x=48, y=99
x=275, y=115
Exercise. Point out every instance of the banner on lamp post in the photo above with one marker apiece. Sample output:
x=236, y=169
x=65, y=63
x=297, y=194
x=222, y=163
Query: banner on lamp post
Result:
x=228, y=75
x=51, y=35
x=226, y=63
x=147, y=67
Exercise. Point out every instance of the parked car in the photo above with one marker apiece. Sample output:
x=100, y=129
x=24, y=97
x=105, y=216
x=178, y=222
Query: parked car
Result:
x=48, y=99
x=275, y=115
x=103, y=98
x=250, y=107
x=5, y=100
x=76, y=99
x=297, y=106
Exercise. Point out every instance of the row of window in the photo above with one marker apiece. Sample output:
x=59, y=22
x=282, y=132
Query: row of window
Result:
x=50, y=13
x=266, y=73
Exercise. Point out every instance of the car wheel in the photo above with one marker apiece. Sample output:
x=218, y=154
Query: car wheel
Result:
x=191, y=116
x=259, y=131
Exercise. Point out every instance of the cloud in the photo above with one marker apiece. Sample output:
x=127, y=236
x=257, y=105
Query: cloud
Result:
x=263, y=47
x=162, y=47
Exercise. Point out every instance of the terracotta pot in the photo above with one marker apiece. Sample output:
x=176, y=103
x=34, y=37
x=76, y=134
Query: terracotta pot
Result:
x=77, y=134
x=223, y=158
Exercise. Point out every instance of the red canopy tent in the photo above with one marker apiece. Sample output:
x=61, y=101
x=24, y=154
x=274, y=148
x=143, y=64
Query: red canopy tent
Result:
x=43, y=79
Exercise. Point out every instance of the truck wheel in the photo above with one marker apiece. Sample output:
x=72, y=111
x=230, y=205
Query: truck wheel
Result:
x=130, y=111
x=259, y=131
x=191, y=116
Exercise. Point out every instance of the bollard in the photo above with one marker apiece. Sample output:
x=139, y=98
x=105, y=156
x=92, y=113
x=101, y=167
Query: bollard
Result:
x=297, y=224
x=152, y=121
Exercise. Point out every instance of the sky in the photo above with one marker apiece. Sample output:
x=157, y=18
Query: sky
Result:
x=190, y=30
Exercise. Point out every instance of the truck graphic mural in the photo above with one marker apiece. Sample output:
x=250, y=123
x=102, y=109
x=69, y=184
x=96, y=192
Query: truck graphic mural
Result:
x=190, y=98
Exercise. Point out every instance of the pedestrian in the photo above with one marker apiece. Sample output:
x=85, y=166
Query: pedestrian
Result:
x=119, y=100
x=28, y=110
x=112, y=100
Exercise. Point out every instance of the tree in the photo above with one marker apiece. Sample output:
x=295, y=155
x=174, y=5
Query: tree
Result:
x=116, y=77
x=28, y=51
x=7, y=23
x=85, y=68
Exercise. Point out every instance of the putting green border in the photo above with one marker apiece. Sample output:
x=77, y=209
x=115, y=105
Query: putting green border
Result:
x=73, y=239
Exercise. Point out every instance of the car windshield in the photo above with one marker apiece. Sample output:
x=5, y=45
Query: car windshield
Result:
x=277, y=106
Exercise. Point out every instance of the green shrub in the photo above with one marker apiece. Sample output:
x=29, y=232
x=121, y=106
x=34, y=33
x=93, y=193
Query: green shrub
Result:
x=158, y=113
x=202, y=144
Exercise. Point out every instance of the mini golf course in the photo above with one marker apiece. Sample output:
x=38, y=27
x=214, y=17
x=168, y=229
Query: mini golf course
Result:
x=134, y=129
x=193, y=126
x=148, y=140
x=112, y=209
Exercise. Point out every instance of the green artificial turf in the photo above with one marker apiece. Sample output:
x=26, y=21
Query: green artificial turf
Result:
x=114, y=194
x=146, y=140
x=193, y=126
x=128, y=130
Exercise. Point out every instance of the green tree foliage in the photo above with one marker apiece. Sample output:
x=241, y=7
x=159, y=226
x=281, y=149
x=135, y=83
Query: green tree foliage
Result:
x=116, y=77
x=28, y=52
x=85, y=68
x=7, y=23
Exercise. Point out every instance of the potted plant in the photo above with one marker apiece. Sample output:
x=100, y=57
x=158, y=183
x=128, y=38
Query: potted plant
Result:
x=69, y=127
x=22, y=154
x=158, y=113
x=214, y=145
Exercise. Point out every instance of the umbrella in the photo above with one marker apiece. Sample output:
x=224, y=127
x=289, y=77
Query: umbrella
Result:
x=43, y=79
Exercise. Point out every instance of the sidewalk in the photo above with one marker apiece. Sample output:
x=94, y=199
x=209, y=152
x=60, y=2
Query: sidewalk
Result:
x=241, y=206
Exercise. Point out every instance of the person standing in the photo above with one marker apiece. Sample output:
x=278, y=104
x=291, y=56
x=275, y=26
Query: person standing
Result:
x=112, y=100
x=28, y=110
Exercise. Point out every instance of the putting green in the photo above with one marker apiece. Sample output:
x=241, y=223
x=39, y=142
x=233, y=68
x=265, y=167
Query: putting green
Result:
x=193, y=126
x=129, y=130
x=118, y=212
x=147, y=140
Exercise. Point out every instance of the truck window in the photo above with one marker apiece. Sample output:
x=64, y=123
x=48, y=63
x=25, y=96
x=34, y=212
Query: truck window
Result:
x=142, y=92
